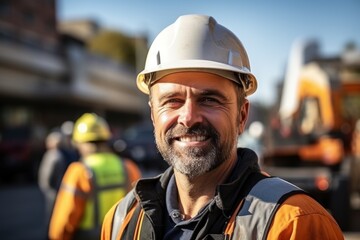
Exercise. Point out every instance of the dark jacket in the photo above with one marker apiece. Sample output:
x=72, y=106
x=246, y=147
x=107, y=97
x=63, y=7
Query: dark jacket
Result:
x=151, y=196
x=141, y=214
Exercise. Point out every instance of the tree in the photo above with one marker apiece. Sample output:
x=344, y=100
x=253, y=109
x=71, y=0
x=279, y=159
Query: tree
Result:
x=114, y=45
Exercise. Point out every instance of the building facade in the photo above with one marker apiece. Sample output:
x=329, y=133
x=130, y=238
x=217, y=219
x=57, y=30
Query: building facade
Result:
x=48, y=77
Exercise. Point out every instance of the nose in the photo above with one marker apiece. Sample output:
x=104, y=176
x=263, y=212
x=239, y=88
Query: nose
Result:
x=189, y=114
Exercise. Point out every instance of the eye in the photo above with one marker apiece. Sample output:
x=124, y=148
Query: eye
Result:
x=209, y=100
x=172, y=102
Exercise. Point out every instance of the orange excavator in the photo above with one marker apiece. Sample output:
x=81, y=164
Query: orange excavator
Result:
x=314, y=136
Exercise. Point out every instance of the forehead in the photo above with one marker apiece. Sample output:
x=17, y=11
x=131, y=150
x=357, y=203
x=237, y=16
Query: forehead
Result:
x=194, y=80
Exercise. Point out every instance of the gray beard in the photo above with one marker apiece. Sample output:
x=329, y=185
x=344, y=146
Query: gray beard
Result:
x=193, y=162
x=196, y=161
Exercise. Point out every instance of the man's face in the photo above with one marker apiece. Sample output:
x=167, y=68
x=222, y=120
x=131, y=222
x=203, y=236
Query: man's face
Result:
x=196, y=120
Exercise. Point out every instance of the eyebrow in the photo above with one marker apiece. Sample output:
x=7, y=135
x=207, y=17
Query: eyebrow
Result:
x=167, y=96
x=213, y=92
x=201, y=93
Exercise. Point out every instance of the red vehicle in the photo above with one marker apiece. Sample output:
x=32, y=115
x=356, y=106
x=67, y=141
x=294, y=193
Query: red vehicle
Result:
x=15, y=155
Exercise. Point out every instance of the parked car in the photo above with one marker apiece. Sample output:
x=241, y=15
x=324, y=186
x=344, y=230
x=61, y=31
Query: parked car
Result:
x=138, y=144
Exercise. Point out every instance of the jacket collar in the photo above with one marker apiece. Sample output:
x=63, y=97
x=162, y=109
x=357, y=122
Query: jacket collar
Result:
x=230, y=193
x=152, y=191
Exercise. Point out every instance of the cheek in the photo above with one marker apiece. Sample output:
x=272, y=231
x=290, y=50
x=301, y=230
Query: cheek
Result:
x=223, y=121
x=163, y=120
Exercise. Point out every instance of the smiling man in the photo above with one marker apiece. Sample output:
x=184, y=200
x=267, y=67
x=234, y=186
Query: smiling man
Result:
x=197, y=75
x=189, y=111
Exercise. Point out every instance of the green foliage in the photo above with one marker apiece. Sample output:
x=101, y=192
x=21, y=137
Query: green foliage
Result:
x=115, y=46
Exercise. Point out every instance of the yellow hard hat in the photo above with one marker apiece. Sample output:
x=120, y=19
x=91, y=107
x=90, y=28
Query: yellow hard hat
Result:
x=197, y=43
x=90, y=127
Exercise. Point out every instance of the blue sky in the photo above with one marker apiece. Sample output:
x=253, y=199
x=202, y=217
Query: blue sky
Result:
x=266, y=28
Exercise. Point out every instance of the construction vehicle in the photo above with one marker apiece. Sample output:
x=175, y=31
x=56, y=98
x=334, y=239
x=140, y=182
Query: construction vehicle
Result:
x=310, y=136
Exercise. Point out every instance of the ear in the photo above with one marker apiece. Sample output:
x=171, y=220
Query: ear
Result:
x=151, y=112
x=244, y=113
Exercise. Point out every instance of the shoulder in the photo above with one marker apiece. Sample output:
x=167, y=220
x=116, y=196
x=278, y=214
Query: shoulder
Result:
x=76, y=167
x=115, y=217
x=129, y=163
x=76, y=170
x=272, y=189
x=133, y=170
x=302, y=217
x=301, y=205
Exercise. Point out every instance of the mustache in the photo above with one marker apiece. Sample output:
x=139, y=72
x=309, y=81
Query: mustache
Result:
x=198, y=129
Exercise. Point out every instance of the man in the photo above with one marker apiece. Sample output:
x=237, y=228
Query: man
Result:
x=91, y=186
x=60, y=152
x=197, y=75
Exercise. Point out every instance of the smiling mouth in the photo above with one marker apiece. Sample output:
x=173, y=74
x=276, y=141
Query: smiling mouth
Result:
x=192, y=138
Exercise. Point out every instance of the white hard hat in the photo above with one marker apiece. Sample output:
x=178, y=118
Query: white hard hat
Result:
x=197, y=43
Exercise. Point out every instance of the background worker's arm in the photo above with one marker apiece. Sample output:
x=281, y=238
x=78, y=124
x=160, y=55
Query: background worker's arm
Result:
x=134, y=172
x=70, y=203
x=300, y=217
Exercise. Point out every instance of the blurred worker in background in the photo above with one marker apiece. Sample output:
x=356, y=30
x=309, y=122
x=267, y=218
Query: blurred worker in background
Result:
x=60, y=152
x=197, y=75
x=92, y=185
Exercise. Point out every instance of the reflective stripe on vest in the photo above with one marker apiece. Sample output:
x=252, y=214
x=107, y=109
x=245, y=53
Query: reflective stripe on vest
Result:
x=109, y=184
x=121, y=212
x=259, y=208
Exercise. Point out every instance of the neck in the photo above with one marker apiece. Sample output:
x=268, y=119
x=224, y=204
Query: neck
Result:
x=195, y=193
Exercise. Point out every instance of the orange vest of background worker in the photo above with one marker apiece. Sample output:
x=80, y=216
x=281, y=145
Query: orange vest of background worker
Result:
x=91, y=186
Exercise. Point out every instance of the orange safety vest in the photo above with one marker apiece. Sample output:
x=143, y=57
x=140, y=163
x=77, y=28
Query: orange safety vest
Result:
x=258, y=216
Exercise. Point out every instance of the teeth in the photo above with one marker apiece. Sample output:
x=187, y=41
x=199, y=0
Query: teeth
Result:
x=192, y=139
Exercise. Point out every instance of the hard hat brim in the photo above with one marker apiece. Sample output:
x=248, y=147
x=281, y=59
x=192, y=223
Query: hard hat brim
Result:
x=143, y=80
